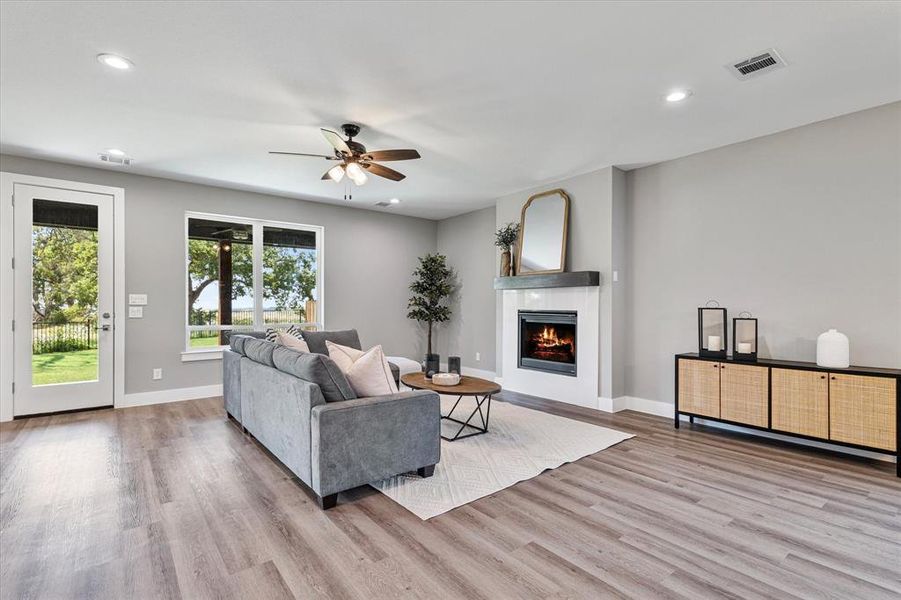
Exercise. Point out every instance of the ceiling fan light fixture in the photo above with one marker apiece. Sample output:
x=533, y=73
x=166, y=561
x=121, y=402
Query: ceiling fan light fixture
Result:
x=356, y=173
x=336, y=173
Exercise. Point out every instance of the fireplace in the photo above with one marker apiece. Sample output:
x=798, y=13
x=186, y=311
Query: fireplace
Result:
x=547, y=341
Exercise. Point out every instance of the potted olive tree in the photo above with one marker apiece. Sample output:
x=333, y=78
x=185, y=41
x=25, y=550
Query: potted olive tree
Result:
x=504, y=239
x=432, y=284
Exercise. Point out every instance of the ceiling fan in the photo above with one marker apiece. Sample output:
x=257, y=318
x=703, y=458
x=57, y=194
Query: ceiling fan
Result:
x=355, y=160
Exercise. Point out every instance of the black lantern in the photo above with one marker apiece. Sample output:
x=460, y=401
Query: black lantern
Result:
x=744, y=337
x=453, y=364
x=712, y=337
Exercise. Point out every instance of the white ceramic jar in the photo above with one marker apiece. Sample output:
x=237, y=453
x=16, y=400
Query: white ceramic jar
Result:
x=833, y=350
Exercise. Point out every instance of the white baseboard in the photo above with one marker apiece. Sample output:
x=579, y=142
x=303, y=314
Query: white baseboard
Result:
x=651, y=407
x=481, y=373
x=173, y=395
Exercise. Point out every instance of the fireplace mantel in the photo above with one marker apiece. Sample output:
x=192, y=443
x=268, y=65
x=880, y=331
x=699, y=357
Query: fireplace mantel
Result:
x=549, y=280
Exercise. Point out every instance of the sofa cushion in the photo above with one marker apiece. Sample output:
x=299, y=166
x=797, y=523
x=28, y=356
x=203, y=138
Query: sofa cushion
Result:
x=259, y=351
x=346, y=337
x=236, y=342
x=317, y=369
x=272, y=333
x=368, y=372
x=289, y=341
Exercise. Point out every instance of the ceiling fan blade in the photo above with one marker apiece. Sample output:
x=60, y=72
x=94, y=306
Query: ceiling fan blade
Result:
x=326, y=176
x=337, y=141
x=304, y=154
x=383, y=155
x=384, y=172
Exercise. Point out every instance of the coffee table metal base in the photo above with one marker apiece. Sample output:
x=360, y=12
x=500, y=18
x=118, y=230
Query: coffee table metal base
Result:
x=483, y=418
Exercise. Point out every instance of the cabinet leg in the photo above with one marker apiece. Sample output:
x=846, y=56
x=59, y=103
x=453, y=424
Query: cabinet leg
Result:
x=676, y=421
x=691, y=419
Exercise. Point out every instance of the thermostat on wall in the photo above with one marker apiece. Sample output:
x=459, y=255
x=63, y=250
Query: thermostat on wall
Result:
x=137, y=299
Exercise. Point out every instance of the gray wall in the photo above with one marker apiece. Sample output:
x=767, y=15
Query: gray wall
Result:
x=801, y=228
x=468, y=243
x=369, y=257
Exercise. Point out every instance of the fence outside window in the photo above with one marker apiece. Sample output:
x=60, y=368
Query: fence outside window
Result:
x=63, y=337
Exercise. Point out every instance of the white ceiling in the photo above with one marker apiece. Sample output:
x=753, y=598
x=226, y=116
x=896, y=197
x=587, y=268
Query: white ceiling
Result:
x=497, y=97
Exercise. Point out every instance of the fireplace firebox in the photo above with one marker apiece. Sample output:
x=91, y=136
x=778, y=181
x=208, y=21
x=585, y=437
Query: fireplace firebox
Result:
x=547, y=341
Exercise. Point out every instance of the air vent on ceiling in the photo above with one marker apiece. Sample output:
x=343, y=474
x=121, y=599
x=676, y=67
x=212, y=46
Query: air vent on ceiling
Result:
x=383, y=203
x=116, y=160
x=764, y=62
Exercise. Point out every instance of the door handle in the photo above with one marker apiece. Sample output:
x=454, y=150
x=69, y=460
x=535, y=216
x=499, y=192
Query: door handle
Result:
x=105, y=327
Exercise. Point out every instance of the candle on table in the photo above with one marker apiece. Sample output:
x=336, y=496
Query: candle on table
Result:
x=713, y=343
x=744, y=347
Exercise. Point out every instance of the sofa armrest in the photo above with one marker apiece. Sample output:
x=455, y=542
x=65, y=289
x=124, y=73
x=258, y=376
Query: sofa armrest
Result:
x=360, y=441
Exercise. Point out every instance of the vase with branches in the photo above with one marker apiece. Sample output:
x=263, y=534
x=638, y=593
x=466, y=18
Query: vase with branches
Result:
x=431, y=286
x=504, y=239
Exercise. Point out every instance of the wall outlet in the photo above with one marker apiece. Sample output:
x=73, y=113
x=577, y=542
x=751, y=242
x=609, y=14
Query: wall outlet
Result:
x=478, y=356
x=135, y=312
x=615, y=276
x=157, y=373
x=137, y=299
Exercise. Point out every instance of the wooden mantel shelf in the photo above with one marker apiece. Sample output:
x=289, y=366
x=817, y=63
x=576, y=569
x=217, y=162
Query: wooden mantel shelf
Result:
x=549, y=280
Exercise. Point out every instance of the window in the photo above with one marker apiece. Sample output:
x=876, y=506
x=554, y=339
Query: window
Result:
x=246, y=274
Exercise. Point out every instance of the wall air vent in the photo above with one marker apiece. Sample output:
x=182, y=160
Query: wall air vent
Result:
x=763, y=62
x=116, y=160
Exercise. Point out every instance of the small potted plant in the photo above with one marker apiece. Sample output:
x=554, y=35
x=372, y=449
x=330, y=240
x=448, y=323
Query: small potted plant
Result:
x=505, y=238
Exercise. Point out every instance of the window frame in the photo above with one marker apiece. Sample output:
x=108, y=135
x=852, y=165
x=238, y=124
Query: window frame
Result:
x=215, y=352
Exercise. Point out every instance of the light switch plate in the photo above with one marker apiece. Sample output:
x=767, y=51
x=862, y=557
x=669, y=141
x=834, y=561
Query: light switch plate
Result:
x=135, y=312
x=157, y=373
x=137, y=299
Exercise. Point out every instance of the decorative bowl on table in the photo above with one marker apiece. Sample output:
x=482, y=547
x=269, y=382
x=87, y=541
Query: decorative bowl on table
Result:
x=445, y=378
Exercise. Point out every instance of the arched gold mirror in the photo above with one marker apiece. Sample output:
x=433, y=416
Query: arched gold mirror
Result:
x=543, y=229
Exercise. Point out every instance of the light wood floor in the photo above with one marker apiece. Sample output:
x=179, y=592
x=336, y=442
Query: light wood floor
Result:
x=172, y=501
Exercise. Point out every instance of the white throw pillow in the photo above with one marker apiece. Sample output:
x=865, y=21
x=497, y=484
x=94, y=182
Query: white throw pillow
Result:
x=368, y=372
x=289, y=341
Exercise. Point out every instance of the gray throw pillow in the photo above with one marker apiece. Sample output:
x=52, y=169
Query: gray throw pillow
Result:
x=317, y=369
x=259, y=351
x=346, y=337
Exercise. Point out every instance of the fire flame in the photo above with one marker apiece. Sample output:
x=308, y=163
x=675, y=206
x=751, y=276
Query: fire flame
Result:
x=548, y=338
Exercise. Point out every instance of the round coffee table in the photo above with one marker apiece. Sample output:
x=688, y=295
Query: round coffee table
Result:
x=480, y=389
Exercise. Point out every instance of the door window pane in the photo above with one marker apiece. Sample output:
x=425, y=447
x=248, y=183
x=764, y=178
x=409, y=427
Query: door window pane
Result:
x=64, y=292
x=220, y=276
x=289, y=276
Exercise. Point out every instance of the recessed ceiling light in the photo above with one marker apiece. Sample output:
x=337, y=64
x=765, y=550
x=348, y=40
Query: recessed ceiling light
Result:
x=394, y=201
x=115, y=152
x=678, y=95
x=115, y=61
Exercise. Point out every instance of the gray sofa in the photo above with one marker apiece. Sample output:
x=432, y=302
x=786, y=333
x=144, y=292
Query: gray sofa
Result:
x=300, y=407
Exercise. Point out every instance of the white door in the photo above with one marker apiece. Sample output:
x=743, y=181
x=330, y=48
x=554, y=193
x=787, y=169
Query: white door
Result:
x=63, y=259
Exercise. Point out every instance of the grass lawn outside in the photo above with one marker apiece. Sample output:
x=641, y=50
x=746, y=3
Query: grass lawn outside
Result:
x=64, y=367
x=205, y=342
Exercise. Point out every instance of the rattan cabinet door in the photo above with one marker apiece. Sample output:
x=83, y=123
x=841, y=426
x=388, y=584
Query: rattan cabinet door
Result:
x=862, y=410
x=801, y=402
x=699, y=387
x=743, y=394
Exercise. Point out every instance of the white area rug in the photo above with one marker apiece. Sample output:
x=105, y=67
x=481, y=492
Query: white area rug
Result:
x=520, y=444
